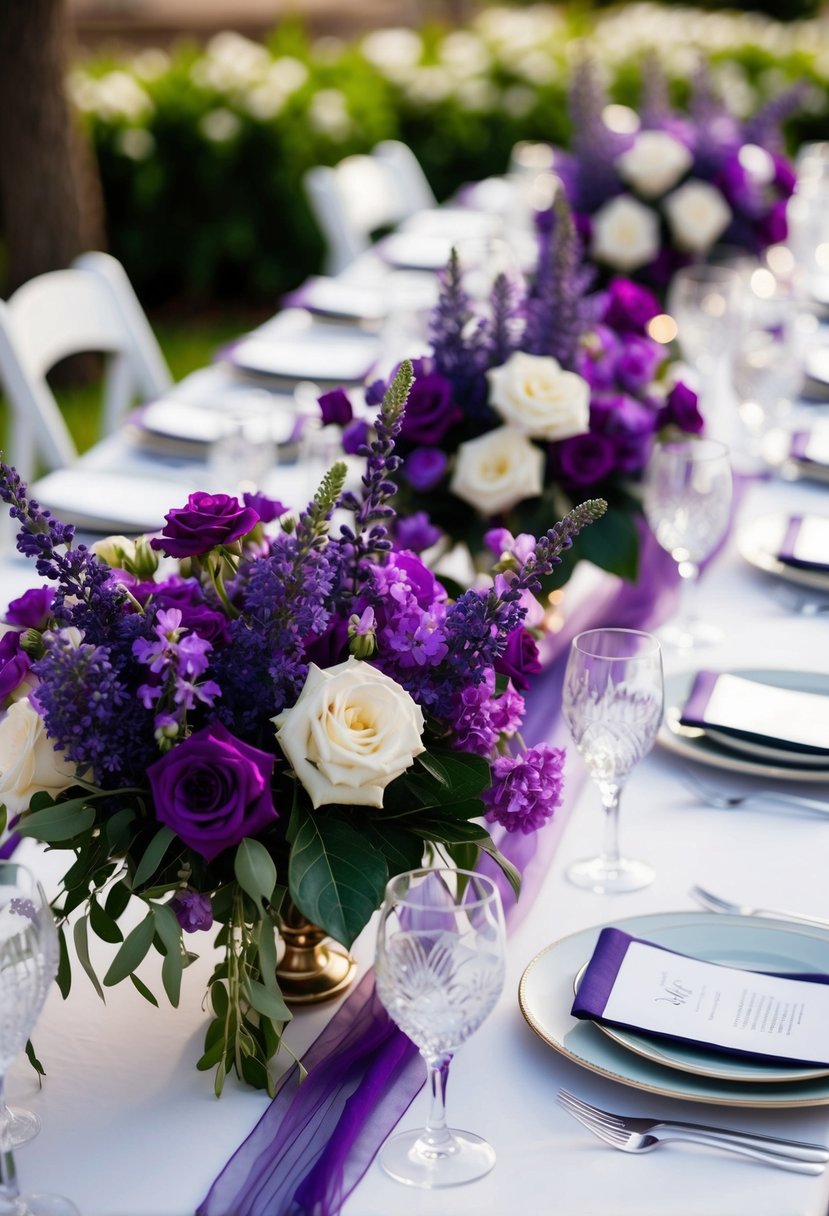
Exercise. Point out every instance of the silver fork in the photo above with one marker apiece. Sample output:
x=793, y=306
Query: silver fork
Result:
x=633, y=1135
x=728, y=801
x=715, y=903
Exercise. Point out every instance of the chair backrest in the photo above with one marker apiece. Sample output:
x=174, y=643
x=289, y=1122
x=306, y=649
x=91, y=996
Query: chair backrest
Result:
x=89, y=307
x=362, y=194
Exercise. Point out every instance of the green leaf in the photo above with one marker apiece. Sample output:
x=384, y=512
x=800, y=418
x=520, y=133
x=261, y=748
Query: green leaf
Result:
x=62, y=821
x=268, y=1003
x=117, y=899
x=255, y=871
x=336, y=877
x=402, y=849
x=153, y=855
x=463, y=854
x=64, y=976
x=265, y=938
x=33, y=1060
x=144, y=990
x=219, y=999
x=81, y=938
x=102, y=923
x=512, y=873
x=612, y=543
x=134, y=949
x=169, y=930
x=117, y=829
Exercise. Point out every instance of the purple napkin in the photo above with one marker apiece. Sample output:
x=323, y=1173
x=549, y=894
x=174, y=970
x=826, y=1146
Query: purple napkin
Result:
x=697, y=714
x=788, y=554
x=603, y=969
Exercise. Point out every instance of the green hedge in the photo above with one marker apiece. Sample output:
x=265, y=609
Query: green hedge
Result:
x=202, y=151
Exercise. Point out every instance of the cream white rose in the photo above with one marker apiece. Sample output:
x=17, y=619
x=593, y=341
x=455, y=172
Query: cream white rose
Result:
x=625, y=233
x=28, y=760
x=537, y=396
x=497, y=470
x=352, y=731
x=698, y=215
x=655, y=162
x=114, y=550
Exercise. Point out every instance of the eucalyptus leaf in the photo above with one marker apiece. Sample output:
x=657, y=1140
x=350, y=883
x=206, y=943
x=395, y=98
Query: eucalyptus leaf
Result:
x=62, y=821
x=33, y=1060
x=102, y=923
x=80, y=936
x=255, y=871
x=117, y=829
x=141, y=987
x=153, y=856
x=118, y=897
x=64, y=976
x=132, y=952
x=169, y=930
x=266, y=1002
x=336, y=876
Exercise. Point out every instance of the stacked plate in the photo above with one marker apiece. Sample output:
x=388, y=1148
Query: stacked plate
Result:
x=792, y=547
x=655, y=1064
x=752, y=734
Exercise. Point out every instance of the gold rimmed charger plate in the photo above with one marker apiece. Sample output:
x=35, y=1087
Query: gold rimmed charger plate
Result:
x=545, y=997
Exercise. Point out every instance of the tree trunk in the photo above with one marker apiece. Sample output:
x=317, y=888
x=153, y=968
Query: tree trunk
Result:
x=50, y=194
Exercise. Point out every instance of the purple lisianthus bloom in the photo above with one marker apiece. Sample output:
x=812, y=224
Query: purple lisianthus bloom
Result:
x=597, y=357
x=520, y=658
x=268, y=509
x=424, y=468
x=629, y=307
x=682, y=409
x=630, y=428
x=375, y=392
x=31, y=609
x=773, y=228
x=637, y=363
x=430, y=409
x=14, y=663
x=423, y=585
x=335, y=407
x=355, y=436
x=525, y=789
x=213, y=790
x=584, y=460
x=207, y=521
x=187, y=595
x=192, y=910
x=416, y=532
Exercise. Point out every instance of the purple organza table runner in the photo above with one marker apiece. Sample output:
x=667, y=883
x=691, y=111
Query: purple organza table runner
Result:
x=317, y=1139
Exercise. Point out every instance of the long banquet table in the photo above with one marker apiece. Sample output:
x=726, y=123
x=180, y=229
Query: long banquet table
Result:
x=130, y=1128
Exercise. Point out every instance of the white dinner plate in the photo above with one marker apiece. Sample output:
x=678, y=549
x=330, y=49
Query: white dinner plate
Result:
x=98, y=501
x=777, y=451
x=545, y=996
x=701, y=1062
x=759, y=542
x=697, y=744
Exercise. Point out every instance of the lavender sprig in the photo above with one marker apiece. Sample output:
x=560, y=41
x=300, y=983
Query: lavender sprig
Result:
x=595, y=146
x=504, y=333
x=557, y=308
x=765, y=128
x=459, y=342
x=655, y=107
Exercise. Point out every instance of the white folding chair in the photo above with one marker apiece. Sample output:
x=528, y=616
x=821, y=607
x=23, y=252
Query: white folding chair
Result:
x=362, y=194
x=89, y=307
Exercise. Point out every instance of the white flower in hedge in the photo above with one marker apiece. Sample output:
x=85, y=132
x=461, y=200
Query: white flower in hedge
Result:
x=28, y=760
x=654, y=163
x=351, y=732
x=537, y=396
x=497, y=470
x=625, y=233
x=698, y=215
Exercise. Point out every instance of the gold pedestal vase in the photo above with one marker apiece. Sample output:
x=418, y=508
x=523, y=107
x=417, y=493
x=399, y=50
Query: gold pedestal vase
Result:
x=313, y=968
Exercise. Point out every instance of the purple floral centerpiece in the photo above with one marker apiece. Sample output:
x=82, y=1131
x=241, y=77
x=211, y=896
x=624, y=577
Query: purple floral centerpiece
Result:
x=549, y=394
x=660, y=189
x=231, y=713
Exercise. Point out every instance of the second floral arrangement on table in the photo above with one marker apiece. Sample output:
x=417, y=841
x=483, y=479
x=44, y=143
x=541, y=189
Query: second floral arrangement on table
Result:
x=548, y=395
x=273, y=713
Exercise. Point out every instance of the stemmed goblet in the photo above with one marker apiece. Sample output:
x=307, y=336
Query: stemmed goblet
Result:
x=439, y=972
x=612, y=702
x=28, y=964
x=687, y=499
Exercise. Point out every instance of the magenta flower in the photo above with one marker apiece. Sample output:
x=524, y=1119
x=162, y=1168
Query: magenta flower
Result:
x=207, y=521
x=629, y=306
x=520, y=658
x=213, y=790
x=14, y=663
x=416, y=532
x=526, y=789
x=31, y=609
x=335, y=408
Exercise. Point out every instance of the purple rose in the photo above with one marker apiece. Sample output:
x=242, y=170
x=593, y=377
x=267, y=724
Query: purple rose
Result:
x=335, y=407
x=637, y=363
x=430, y=409
x=586, y=459
x=213, y=790
x=629, y=307
x=424, y=468
x=355, y=436
x=630, y=426
x=268, y=509
x=597, y=358
x=207, y=521
x=31, y=610
x=682, y=409
x=192, y=910
x=14, y=663
x=520, y=658
x=416, y=532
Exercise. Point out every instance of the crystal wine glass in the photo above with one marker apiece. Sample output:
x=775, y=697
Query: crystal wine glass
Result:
x=705, y=303
x=440, y=970
x=612, y=703
x=28, y=964
x=688, y=506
